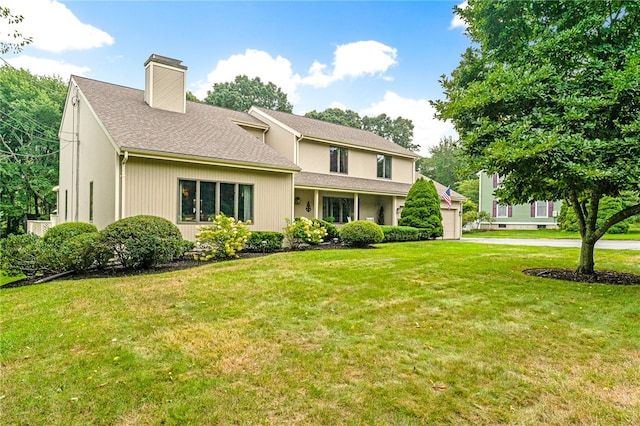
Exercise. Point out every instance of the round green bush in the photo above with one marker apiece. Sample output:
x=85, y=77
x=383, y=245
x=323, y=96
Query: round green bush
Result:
x=361, y=233
x=140, y=242
x=81, y=252
x=62, y=232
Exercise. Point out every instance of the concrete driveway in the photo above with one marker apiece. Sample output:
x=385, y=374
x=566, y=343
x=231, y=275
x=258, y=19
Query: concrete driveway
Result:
x=546, y=242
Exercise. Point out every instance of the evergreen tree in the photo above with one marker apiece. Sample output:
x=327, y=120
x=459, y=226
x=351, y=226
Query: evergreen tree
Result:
x=422, y=209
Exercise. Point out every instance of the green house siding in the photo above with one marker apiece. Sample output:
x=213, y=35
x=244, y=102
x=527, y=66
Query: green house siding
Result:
x=521, y=216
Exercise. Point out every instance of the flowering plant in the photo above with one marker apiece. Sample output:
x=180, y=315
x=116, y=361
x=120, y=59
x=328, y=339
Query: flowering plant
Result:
x=223, y=239
x=303, y=230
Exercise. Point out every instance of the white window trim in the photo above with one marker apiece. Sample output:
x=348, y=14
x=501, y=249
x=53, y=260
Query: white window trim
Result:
x=506, y=211
x=546, y=210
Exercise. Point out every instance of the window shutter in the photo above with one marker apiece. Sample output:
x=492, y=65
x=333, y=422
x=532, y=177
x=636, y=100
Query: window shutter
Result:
x=533, y=209
x=509, y=210
x=495, y=180
x=495, y=208
x=550, y=208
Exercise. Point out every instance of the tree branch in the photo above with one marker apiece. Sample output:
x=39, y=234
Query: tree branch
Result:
x=618, y=217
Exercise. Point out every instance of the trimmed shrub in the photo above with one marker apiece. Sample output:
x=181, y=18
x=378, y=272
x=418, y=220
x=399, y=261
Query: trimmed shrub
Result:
x=140, y=242
x=62, y=232
x=332, y=231
x=264, y=242
x=400, y=233
x=303, y=230
x=80, y=252
x=222, y=239
x=20, y=254
x=422, y=209
x=361, y=233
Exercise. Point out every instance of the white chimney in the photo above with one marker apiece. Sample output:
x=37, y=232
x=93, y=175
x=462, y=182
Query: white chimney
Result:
x=165, y=83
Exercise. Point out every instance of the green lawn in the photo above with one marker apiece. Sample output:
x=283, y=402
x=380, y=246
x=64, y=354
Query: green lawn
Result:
x=414, y=333
x=634, y=234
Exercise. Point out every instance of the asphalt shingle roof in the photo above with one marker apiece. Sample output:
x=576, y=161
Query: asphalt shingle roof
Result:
x=204, y=131
x=318, y=129
x=343, y=182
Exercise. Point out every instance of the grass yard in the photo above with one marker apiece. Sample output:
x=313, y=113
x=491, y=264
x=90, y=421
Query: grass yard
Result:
x=633, y=234
x=414, y=333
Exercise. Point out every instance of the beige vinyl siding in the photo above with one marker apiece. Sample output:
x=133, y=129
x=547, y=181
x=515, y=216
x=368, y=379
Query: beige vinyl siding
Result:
x=152, y=188
x=314, y=157
x=98, y=163
x=402, y=170
x=168, y=88
x=283, y=141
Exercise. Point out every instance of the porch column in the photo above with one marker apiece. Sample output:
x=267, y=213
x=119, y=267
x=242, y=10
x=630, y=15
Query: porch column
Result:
x=316, y=199
x=394, y=211
x=356, y=206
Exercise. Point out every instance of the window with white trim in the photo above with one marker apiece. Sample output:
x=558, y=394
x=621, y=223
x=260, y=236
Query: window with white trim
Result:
x=200, y=201
x=502, y=210
x=542, y=209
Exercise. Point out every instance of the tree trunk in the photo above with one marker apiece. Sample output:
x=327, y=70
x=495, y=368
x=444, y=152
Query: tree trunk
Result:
x=586, y=257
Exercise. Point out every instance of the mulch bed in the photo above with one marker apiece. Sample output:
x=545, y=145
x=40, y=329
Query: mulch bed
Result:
x=599, y=277
x=185, y=263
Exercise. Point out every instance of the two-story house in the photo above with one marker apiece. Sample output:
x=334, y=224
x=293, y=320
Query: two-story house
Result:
x=125, y=152
x=537, y=215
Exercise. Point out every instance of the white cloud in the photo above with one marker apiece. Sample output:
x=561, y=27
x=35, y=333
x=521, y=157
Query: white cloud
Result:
x=47, y=67
x=354, y=60
x=427, y=130
x=457, y=21
x=53, y=27
x=253, y=63
x=351, y=60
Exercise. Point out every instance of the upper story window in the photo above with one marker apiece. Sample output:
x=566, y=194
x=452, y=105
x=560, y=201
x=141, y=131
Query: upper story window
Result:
x=338, y=159
x=384, y=166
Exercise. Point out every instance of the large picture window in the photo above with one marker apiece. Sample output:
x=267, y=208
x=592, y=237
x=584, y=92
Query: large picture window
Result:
x=338, y=159
x=201, y=200
x=384, y=166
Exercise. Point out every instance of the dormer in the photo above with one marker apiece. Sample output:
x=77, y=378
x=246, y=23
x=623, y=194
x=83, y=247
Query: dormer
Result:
x=165, y=83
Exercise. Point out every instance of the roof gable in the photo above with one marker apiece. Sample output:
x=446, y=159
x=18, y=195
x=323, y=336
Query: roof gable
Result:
x=312, y=128
x=203, y=131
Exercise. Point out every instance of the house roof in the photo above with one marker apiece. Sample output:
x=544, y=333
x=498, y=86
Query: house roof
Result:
x=342, y=182
x=455, y=196
x=322, y=130
x=204, y=132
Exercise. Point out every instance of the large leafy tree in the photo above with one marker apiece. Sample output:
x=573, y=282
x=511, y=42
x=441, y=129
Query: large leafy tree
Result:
x=398, y=130
x=243, y=92
x=30, y=114
x=18, y=40
x=445, y=163
x=549, y=97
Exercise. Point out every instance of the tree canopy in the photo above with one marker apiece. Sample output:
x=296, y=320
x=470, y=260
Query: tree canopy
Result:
x=399, y=130
x=30, y=114
x=549, y=98
x=243, y=92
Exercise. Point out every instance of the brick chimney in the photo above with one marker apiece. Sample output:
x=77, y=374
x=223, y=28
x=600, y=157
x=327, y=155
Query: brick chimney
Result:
x=165, y=83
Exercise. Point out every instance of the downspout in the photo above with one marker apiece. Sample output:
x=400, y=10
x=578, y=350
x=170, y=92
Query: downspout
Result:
x=76, y=104
x=123, y=181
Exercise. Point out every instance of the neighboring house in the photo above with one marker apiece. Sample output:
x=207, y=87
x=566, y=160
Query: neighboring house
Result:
x=126, y=152
x=537, y=215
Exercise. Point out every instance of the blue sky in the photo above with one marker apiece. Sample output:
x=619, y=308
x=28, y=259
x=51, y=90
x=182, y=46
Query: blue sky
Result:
x=371, y=57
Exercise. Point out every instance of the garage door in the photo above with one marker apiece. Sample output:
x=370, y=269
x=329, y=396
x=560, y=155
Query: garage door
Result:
x=449, y=224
